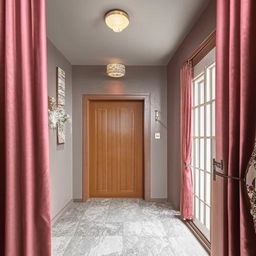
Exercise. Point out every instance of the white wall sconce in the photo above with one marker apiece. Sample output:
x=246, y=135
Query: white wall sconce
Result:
x=156, y=115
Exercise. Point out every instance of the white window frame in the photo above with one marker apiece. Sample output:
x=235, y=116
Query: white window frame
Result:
x=206, y=78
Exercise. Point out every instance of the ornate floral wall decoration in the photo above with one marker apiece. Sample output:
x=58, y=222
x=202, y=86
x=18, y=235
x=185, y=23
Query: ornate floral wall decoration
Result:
x=251, y=184
x=57, y=115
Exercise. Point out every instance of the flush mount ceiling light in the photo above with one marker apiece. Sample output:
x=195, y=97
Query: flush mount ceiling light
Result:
x=117, y=20
x=115, y=70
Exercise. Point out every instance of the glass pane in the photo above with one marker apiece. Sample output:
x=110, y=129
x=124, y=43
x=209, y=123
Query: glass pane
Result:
x=202, y=121
x=201, y=84
x=192, y=121
x=213, y=148
x=202, y=154
x=207, y=217
x=208, y=120
x=192, y=170
x=208, y=189
x=196, y=122
x=192, y=93
x=193, y=153
x=208, y=87
x=213, y=119
x=201, y=212
x=197, y=182
x=208, y=155
x=196, y=93
x=202, y=185
x=213, y=74
x=196, y=152
x=196, y=208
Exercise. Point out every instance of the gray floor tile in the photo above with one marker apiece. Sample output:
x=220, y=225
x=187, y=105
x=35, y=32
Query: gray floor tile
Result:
x=123, y=227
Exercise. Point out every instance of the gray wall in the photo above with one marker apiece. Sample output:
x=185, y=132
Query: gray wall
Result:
x=204, y=26
x=60, y=155
x=93, y=80
x=67, y=183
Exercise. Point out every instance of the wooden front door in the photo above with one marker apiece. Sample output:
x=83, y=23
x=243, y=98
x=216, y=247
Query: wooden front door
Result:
x=116, y=148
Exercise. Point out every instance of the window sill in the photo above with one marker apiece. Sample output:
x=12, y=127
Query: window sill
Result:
x=199, y=235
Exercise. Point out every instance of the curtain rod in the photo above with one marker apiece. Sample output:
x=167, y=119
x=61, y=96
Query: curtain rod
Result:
x=201, y=46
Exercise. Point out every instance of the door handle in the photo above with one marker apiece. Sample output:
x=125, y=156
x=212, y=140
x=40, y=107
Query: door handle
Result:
x=220, y=165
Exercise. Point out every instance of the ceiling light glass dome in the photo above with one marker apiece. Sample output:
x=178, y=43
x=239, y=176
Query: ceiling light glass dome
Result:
x=117, y=20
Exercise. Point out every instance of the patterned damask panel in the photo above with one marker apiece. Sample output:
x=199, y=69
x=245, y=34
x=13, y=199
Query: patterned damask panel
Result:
x=61, y=103
x=251, y=184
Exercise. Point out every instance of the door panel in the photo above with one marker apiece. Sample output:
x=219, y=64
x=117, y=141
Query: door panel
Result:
x=100, y=150
x=203, y=140
x=116, y=149
x=127, y=148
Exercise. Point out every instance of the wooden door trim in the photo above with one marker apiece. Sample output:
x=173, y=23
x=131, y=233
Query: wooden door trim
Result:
x=87, y=98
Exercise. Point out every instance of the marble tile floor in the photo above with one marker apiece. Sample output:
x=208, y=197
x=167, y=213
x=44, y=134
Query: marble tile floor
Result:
x=122, y=227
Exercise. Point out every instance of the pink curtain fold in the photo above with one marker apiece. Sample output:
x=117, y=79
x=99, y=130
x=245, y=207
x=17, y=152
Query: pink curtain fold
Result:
x=186, y=196
x=236, y=116
x=24, y=158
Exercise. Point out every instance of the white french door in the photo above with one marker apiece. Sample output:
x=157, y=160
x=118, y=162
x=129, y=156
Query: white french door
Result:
x=203, y=140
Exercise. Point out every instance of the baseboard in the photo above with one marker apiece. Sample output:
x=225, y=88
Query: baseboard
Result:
x=78, y=200
x=68, y=204
x=158, y=200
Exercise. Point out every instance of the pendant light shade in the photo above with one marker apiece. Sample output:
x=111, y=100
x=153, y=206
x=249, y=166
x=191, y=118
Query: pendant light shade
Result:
x=115, y=70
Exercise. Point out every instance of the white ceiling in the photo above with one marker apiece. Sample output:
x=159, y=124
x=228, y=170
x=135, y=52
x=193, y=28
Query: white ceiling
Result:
x=157, y=27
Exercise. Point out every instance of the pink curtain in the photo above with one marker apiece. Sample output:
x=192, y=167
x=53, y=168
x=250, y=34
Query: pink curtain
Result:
x=24, y=160
x=186, y=197
x=236, y=116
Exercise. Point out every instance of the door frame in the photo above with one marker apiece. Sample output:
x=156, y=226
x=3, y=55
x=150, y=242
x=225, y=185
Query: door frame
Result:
x=87, y=98
x=197, y=55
